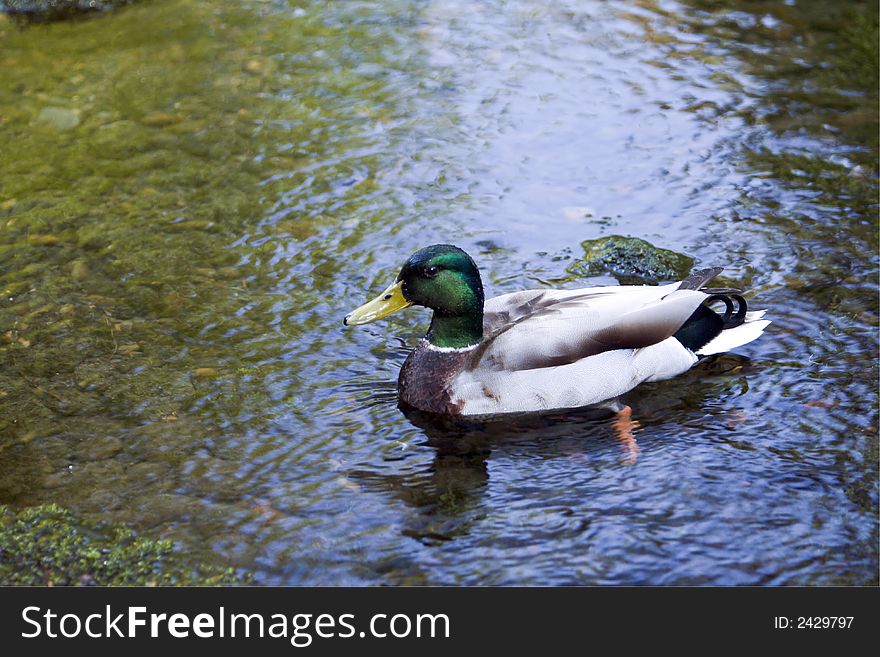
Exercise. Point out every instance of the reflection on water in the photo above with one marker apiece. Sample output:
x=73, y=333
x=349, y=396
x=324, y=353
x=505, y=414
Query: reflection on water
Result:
x=190, y=204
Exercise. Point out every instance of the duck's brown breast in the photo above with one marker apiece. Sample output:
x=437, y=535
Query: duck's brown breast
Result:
x=425, y=378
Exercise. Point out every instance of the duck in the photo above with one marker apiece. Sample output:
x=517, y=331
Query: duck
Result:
x=541, y=350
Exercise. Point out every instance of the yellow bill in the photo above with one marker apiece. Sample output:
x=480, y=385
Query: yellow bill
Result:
x=390, y=301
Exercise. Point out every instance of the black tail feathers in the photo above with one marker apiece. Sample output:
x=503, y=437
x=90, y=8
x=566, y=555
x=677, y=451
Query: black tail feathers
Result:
x=705, y=324
x=731, y=317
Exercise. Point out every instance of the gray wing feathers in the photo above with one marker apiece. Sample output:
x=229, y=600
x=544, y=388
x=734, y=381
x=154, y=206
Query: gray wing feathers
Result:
x=551, y=329
x=699, y=278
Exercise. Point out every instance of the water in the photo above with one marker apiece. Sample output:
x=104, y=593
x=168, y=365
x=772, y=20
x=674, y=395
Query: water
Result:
x=193, y=194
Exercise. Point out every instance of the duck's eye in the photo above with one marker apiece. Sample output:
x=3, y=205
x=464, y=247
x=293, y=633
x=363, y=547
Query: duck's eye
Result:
x=432, y=271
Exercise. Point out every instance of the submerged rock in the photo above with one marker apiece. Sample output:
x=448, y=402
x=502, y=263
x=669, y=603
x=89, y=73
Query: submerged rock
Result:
x=160, y=119
x=632, y=261
x=53, y=10
x=59, y=118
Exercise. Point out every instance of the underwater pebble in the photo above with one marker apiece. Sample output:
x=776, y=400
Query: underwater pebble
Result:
x=103, y=448
x=160, y=119
x=101, y=502
x=58, y=118
x=43, y=240
x=254, y=66
x=156, y=509
x=106, y=471
x=148, y=471
x=79, y=270
x=56, y=480
x=205, y=372
x=100, y=300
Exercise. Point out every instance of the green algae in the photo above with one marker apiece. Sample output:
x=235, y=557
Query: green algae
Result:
x=48, y=546
x=124, y=219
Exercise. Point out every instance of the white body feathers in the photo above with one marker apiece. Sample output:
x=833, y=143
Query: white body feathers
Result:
x=555, y=349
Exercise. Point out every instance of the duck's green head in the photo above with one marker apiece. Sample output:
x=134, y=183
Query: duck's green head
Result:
x=441, y=277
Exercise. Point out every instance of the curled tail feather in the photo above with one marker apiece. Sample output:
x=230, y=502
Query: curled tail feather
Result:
x=706, y=331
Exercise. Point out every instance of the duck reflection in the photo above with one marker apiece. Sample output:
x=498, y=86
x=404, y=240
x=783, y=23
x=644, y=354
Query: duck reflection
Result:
x=447, y=492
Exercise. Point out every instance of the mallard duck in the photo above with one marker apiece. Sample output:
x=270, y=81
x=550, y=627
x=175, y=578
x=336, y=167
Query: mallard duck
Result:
x=542, y=350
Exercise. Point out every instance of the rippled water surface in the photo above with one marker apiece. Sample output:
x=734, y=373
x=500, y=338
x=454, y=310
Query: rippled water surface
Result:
x=193, y=194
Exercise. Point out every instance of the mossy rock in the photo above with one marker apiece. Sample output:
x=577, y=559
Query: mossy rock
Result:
x=47, y=545
x=53, y=10
x=632, y=261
